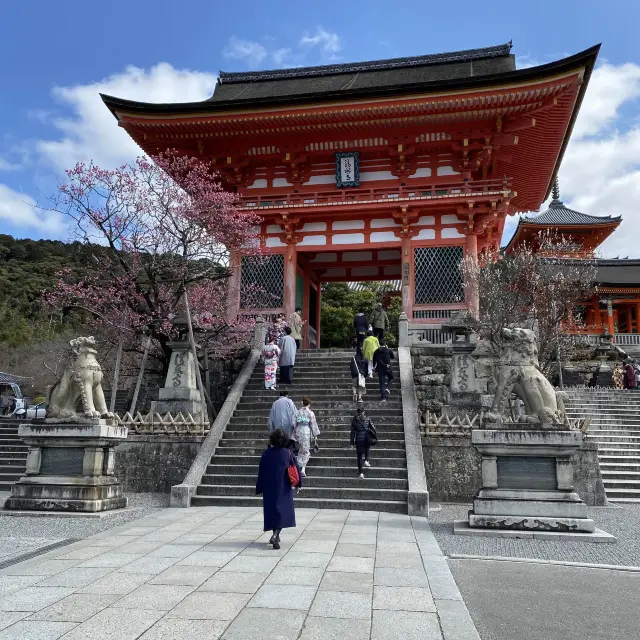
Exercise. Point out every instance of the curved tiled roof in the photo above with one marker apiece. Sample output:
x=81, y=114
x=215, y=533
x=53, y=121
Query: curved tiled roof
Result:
x=559, y=215
x=371, y=65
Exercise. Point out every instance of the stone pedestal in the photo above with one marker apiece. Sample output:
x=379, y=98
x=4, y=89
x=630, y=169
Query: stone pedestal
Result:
x=180, y=393
x=527, y=480
x=70, y=467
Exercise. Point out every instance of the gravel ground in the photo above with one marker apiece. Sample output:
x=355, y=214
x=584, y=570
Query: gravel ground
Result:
x=20, y=535
x=621, y=521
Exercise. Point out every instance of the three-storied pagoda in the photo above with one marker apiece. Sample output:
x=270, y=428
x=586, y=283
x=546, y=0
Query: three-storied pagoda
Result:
x=382, y=170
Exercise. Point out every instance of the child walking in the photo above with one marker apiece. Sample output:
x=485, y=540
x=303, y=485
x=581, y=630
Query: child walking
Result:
x=363, y=436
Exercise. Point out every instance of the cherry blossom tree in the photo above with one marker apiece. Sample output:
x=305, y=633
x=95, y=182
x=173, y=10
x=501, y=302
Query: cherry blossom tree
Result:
x=539, y=289
x=162, y=226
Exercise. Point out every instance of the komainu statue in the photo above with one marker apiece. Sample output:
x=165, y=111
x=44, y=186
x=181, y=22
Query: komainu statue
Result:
x=519, y=373
x=80, y=382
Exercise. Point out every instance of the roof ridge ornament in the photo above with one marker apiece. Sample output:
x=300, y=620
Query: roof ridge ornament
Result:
x=555, y=192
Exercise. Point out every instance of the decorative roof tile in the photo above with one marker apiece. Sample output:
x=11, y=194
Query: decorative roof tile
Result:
x=559, y=215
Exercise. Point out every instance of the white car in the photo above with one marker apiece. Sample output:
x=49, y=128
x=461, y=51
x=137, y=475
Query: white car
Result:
x=37, y=410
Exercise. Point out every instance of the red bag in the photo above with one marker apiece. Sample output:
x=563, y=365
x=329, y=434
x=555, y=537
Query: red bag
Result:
x=294, y=476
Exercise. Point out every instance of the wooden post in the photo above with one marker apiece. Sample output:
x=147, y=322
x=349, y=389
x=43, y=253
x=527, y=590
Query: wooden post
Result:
x=471, y=253
x=610, y=323
x=290, y=280
x=407, y=288
x=134, y=402
x=637, y=317
x=629, y=320
x=116, y=371
x=318, y=312
x=205, y=412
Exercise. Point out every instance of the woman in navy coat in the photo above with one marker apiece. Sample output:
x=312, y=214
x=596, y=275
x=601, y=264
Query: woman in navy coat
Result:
x=274, y=485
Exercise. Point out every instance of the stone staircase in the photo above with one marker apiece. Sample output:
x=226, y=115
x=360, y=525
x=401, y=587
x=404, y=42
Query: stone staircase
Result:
x=332, y=479
x=615, y=426
x=13, y=454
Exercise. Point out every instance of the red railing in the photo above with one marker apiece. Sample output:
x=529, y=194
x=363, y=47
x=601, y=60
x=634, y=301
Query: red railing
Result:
x=436, y=190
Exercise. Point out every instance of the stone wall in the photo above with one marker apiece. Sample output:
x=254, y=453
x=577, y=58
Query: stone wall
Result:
x=154, y=463
x=452, y=466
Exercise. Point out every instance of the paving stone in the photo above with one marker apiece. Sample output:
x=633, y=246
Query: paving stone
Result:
x=299, y=559
x=7, y=618
x=117, y=583
x=111, y=559
x=333, y=629
x=206, y=559
x=262, y=624
x=355, y=550
x=83, y=553
x=280, y=596
x=234, y=582
x=398, y=560
x=351, y=565
x=400, y=577
x=9, y=584
x=148, y=564
x=356, y=538
x=44, y=568
x=352, y=582
x=115, y=624
x=33, y=598
x=141, y=548
x=443, y=586
x=403, y=599
x=340, y=604
x=387, y=546
x=160, y=597
x=36, y=630
x=455, y=621
x=310, y=576
x=320, y=534
x=76, y=577
x=199, y=539
x=167, y=629
x=210, y=606
x=265, y=549
x=252, y=564
x=225, y=546
x=175, y=550
x=75, y=608
x=408, y=625
x=184, y=574
x=315, y=546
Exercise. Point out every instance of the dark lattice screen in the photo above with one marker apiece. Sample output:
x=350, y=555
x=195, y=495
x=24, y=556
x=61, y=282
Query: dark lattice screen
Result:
x=438, y=279
x=262, y=282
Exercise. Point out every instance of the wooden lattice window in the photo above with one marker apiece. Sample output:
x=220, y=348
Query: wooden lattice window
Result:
x=438, y=278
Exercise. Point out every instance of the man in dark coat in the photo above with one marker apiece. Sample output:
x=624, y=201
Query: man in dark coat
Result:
x=363, y=435
x=361, y=326
x=382, y=364
x=274, y=485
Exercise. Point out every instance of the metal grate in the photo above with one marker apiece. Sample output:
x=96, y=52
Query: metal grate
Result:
x=262, y=282
x=438, y=278
x=433, y=314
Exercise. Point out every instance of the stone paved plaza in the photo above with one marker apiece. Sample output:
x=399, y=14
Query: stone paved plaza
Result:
x=209, y=573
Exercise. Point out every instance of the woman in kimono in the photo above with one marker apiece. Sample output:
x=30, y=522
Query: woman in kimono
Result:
x=274, y=485
x=270, y=355
x=358, y=370
x=618, y=376
x=306, y=426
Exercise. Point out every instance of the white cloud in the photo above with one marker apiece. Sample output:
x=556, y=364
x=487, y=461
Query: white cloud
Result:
x=21, y=211
x=89, y=131
x=283, y=57
x=253, y=53
x=328, y=41
x=600, y=172
x=6, y=165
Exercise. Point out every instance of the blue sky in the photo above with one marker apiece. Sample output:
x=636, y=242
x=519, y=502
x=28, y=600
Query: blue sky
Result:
x=57, y=56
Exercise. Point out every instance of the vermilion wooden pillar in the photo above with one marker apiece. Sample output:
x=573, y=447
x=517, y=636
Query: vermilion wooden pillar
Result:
x=637, y=317
x=610, y=322
x=305, y=309
x=407, y=277
x=290, y=263
x=318, y=315
x=471, y=253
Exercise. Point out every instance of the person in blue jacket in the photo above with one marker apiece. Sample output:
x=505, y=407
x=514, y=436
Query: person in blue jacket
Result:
x=274, y=485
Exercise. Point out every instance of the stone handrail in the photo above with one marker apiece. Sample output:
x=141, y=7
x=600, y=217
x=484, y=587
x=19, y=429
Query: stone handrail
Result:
x=418, y=497
x=181, y=494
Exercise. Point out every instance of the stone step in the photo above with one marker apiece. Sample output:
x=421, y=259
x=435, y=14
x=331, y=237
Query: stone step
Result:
x=607, y=449
x=322, y=414
x=323, y=442
x=326, y=436
x=305, y=503
x=612, y=474
x=333, y=493
x=315, y=470
x=322, y=407
x=13, y=447
x=325, y=451
x=386, y=429
x=613, y=439
x=314, y=480
x=618, y=466
x=624, y=500
x=12, y=468
x=321, y=459
x=18, y=455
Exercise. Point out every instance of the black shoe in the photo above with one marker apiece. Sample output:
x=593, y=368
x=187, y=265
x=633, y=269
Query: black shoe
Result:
x=272, y=539
x=276, y=544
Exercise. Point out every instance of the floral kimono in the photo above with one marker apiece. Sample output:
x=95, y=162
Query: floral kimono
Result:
x=270, y=354
x=306, y=426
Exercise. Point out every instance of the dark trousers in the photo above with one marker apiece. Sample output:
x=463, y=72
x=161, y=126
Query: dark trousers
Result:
x=360, y=338
x=286, y=375
x=362, y=451
x=298, y=344
x=378, y=333
x=384, y=377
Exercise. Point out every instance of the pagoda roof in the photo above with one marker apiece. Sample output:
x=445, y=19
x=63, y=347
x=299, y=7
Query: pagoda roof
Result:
x=339, y=78
x=557, y=215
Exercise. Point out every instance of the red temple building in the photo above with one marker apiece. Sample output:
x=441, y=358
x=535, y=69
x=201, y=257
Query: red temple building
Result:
x=382, y=170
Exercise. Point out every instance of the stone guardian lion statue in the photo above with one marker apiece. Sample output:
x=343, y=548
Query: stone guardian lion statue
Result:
x=80, y=382
x=519, y=373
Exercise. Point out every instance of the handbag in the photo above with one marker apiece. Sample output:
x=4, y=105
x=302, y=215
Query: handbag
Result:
x=316, y=448
x=294, y=476
x=372, y=436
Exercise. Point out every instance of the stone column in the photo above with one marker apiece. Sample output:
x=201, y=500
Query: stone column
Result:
x=463, y=376
x=234, y=283
x=471, y=254
x=290, y=263
x=610, y=323
x=259, y=333
x=403, y=330
x=490, y=472
x=34, y=458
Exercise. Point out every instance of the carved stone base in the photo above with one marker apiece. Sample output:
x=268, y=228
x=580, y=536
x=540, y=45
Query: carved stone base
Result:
x=70, y=467
x=530, y=523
